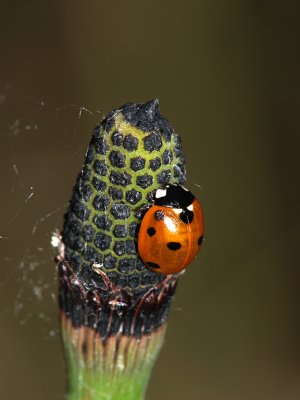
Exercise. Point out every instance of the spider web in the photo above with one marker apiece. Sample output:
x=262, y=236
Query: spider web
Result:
x=43, y=148
x=42, y=151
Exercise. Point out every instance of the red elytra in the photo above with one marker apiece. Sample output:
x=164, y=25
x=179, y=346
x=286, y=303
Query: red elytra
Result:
x=170, y=238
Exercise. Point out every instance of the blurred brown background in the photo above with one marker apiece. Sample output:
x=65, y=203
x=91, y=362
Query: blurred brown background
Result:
x=227, y=76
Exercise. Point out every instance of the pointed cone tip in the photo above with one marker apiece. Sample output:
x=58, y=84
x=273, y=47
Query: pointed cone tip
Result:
x=153, y=104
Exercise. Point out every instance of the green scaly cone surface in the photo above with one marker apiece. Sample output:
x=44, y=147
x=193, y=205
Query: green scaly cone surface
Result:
x=113, y=308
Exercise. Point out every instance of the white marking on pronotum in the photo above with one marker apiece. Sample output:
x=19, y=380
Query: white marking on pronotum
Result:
x=160, y=193
x=177, y=210
x=190, y=207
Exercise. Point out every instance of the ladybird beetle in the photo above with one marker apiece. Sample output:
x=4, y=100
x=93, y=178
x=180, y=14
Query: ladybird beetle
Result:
x=171, y=231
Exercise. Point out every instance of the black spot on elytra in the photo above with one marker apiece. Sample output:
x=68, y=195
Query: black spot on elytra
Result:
x=151, y=231
x=152, y=265
x=200, y=240
x=159, y=215
x=174, y=245
x=186, y=216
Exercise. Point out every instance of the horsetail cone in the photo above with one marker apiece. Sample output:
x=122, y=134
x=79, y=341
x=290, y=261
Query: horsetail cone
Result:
x=108, y=298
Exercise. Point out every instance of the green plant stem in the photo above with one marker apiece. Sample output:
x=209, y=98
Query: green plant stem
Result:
x=117, y=370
